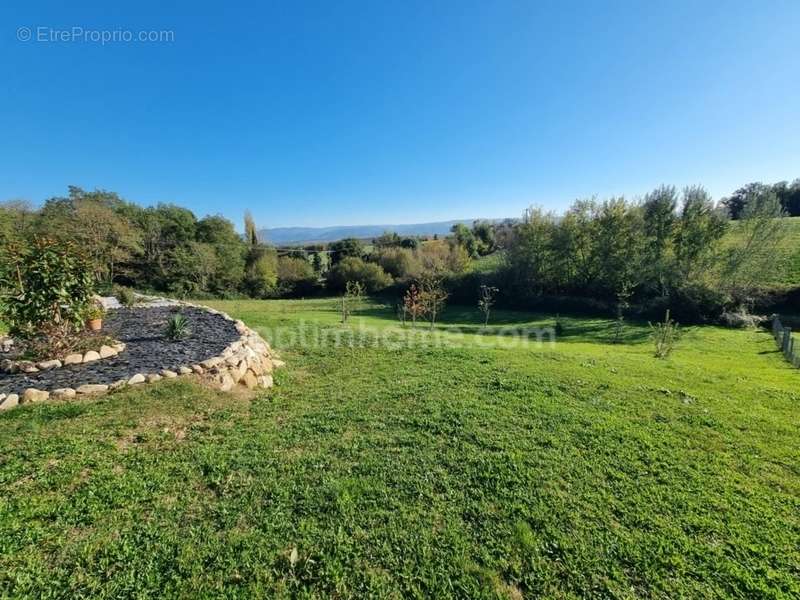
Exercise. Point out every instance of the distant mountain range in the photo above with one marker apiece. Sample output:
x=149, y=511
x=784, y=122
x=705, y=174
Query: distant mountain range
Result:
x=311, y=235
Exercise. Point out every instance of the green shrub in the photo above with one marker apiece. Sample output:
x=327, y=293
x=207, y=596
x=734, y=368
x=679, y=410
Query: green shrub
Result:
x=47, y=287
x=125, y=295
x=398, y=262
x=665, y=336
x=177, y=328
x=295, y=276
x=370, y=275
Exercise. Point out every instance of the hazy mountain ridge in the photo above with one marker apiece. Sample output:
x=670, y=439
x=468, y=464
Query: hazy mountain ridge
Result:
x=308, y=235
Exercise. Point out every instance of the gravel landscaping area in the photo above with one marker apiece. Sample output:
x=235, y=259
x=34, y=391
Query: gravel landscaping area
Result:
x=147, y=350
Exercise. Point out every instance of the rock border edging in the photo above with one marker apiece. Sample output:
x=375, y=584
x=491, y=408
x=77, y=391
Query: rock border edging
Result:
x=248, y=361
x=76, y=358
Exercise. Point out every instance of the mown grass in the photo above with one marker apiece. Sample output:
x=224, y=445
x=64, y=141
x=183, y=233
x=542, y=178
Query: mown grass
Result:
x=464, y=465
x=787, y=255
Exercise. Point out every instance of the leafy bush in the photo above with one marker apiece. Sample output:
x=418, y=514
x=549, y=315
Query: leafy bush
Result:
x=47, y=288
x=398, y=262
x=665, y=336
x=125, y=295
x=295, y=276
x=370, y=275
x=177, y=328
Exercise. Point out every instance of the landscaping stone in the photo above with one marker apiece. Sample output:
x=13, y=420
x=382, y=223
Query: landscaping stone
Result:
x=10, y=401
x=250, y=379
x=211, y=362
x=107, y=352
x=63, y=394
x=92, y=388
x=217, y=350
x=73, y=359
x=91, y=356
x=46, y=365
x=34, y=395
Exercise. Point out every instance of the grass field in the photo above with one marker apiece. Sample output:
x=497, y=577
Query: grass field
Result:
x=459, y=463
x=787, y=255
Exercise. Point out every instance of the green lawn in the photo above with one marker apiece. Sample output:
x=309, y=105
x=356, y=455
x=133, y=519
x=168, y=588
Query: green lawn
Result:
x=464, y=465
x=787, y=255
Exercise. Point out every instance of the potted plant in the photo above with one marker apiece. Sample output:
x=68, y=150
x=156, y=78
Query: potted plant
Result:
x=94, y=317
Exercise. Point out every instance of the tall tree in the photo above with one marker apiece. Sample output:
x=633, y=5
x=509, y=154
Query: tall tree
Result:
x=659, y=228
x=250, y=231
x=701, y=226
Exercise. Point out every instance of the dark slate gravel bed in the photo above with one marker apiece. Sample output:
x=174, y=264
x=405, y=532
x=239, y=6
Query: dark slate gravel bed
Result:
x=147, y=350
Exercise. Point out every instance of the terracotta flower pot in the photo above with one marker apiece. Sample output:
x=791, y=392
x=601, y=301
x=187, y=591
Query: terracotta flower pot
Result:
x=95, y=324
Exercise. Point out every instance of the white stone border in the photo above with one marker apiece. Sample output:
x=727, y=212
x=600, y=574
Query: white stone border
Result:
x=248, y=361
x=27, y=366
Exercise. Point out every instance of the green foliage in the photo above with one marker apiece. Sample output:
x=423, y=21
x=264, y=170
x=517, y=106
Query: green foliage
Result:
x=653, y=252
x=665, y=336
x=94, y=311
x=351, y=299
x=787, y=194
x=250, y=231
x=400, y=263
x=125, y=295
x=177, y=328
x=346, y=248
x=371, y=276
x=465, y=238
x=261, y=275
x=47, y=288
x=296, y=275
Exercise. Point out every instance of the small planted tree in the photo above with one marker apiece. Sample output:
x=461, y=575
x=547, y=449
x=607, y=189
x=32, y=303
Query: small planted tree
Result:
x=412, y=304
x=623, y=303
x=351, y=299
x=432, y=296
x=486, y=298
x=48, y=288
x=665, y=336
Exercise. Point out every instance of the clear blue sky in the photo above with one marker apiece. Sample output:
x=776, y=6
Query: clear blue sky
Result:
x=337, y=113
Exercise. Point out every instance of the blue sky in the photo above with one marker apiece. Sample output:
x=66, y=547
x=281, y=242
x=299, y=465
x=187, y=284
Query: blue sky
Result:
x=336, y=113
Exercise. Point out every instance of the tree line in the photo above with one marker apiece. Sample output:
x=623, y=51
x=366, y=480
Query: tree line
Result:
x=166, y=248
x=671, y=248
x=787, y=194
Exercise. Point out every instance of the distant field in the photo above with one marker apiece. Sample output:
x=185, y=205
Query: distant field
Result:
x=469, y=467
x=788, y=255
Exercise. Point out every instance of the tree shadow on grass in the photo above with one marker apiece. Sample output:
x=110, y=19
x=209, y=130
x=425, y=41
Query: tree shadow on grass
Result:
x=505, y=323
